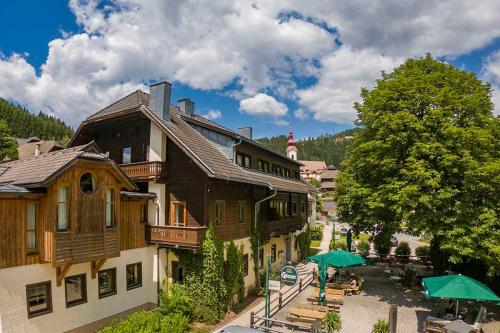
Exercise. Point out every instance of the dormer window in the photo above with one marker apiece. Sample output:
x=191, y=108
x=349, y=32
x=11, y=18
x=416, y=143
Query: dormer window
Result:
x=263, y=166
x=243, y=160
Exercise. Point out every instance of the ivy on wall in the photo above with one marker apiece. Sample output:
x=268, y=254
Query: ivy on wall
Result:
x=255, y=242
x=304, y=243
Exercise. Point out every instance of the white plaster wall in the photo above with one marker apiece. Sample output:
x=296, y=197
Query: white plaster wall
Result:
x=249, y=280
x=159, y=190
x=157, y=144
x=13, y=281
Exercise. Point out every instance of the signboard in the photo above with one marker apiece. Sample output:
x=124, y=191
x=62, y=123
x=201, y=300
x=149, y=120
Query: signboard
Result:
x=274, y=285
x=289, y=275
x=337, y=237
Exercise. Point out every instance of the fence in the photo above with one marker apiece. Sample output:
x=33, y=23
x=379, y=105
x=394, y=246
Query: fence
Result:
x=278, y=303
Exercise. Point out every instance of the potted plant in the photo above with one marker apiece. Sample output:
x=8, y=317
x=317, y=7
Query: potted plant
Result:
x=381, y=326
x=332, y=323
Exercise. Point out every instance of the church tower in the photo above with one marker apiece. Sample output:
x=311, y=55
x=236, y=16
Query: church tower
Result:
x=291, y=150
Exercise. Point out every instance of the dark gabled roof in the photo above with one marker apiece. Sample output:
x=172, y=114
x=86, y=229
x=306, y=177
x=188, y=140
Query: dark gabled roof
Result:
x=131, y=101
x=138, y=98
x=211, y=160
x=39, y=171
x=7, y=188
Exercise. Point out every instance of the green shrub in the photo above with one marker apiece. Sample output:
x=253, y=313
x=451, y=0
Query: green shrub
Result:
x=381, y=326
x=234, y=274
x=340, y=244
x=142, y=321
x=174, y=323
x=175, y=300
x=422, y=251
x=316, y=233
x=364, y=248
x=332, y=322
x=304, y=242
x=382, y=243
x=403, y=249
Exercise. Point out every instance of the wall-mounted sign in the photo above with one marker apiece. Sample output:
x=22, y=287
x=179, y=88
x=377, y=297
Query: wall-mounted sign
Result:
x=289, y=275
x=274, y=285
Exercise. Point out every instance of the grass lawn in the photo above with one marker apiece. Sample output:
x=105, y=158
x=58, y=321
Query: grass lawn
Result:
x=315, y=243
x=314, y=251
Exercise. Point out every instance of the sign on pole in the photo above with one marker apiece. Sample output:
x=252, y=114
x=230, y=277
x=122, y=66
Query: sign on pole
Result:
x=289, y=275
x=274, y=285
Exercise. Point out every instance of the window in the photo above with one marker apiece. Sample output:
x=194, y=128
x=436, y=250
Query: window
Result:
x=62, y=209
x=263, y=166
x=38, y=299
x=88, y=183
x=177, y=272
x=286, y=172
x=243, y=160
x=261, y=257
x=126, y=155
x=110, y=207
x=178, y=213
x=107, y=282
x=146, y=152
x=287, y=212
x=219, y=212
x=134, y=275
x=76, y=290
x=144, y=213
x=245, y=265
x=294, y=208
x=303, y=208
x=273, y=253
x=297, y=175
x=241, y=211
x=31, y=216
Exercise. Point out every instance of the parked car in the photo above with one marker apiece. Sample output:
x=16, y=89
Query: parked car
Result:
x=394, y=241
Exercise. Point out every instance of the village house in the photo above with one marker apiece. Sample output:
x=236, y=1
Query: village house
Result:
x=34, y=146
x=90, y=231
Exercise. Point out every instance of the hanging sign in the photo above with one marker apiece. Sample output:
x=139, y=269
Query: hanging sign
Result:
x=289, y=275
x=274, y=285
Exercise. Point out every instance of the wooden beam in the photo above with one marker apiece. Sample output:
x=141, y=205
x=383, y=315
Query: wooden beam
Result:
x=95, y=266
x=61, y=273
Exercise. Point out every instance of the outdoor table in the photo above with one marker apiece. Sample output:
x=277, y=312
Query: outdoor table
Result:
x=308, y=313
x=458, y=326
x=395, y=278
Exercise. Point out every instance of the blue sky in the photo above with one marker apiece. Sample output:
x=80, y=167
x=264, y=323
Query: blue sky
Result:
x=265, y=65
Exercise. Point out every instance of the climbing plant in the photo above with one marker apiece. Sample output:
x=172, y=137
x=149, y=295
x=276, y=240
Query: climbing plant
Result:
x=255, y=242
x=304, y=243
x=234, y=273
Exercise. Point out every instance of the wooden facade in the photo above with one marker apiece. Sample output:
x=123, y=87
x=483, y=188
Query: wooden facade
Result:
x=112, y=135
x=87, y=238
x=257, y=154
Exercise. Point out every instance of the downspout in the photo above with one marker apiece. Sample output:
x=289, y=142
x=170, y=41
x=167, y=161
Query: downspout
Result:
x=157, y=217
x=257, y=204
x=157, y=275
x=233, y=147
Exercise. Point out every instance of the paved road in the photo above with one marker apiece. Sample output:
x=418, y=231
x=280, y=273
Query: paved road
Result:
x=411, y=240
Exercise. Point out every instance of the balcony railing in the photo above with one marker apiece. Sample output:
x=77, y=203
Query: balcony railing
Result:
x=285, y=226
x=168, y=235
x=145, y=170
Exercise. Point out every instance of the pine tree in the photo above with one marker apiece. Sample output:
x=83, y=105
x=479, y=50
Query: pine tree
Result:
x=7, y=143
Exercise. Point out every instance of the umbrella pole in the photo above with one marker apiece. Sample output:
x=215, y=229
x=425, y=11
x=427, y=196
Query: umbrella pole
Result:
x=456, y=310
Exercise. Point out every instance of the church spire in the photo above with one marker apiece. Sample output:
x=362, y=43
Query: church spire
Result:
x=291, y=149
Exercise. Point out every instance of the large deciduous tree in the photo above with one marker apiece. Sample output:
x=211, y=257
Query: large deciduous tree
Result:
x=7, y=143
x=427, y=160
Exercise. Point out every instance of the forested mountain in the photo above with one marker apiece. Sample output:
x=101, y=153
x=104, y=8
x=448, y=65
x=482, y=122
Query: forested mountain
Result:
x=23, y=124
x=322, y=148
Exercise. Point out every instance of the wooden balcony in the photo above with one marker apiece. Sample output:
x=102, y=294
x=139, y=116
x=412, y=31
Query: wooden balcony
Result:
x=284, y=226
x=145, y=170
x=173, y=236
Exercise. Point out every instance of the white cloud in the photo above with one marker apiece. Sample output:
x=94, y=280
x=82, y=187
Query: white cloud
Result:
x=343, y=74
x=265, y=106
x=491, y=72
x=302, y=114
x=213, y=114
x=250, y=46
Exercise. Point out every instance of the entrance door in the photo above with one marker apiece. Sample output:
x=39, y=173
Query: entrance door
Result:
x=288, y=249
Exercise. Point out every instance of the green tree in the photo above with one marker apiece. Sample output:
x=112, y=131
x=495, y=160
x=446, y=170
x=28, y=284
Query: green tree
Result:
x=8, y=145
x=234, y=272
x=427, y=160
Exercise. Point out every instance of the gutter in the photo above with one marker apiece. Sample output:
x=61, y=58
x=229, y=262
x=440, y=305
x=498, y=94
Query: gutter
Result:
x=257, y=204
x=233, y=147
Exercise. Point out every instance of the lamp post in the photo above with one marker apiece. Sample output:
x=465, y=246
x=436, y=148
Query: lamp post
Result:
x=267, y=293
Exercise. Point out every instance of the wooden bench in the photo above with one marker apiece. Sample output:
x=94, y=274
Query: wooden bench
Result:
x=316, y=307
x=332, y=305
x=306, y=313
x=305, y=323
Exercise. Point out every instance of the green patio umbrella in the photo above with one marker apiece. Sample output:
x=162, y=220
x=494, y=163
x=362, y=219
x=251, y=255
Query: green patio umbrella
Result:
x=458, y=287
x=338, y=259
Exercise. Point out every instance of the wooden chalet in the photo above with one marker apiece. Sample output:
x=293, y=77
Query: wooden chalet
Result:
x=209, y=174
